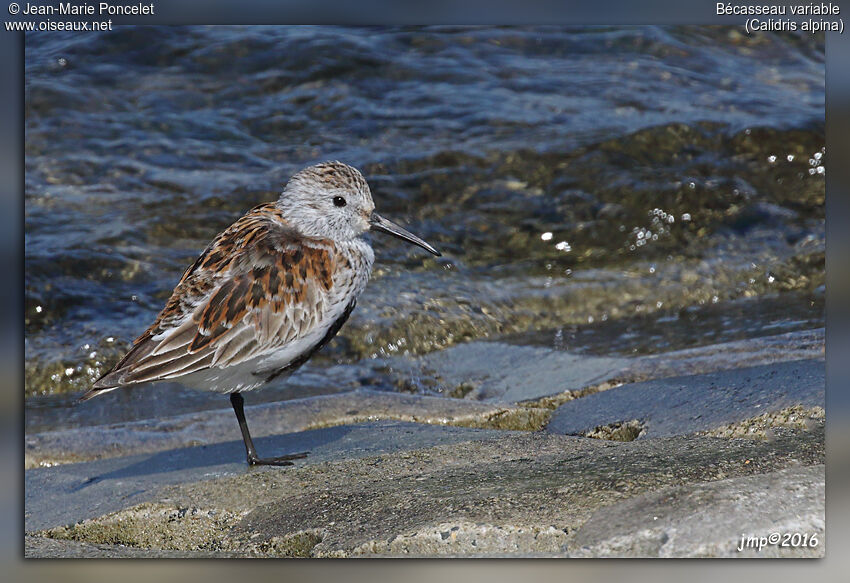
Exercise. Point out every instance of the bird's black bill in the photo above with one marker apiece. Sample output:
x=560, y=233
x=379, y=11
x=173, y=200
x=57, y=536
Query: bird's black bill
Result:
x=379, y=223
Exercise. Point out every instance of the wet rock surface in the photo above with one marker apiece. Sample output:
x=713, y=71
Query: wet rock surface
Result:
x=64, y=493
x=683, y=405
x=393, y=474
x=497, y=372
x=164, y=430
x=487, y=493
x=209, y=427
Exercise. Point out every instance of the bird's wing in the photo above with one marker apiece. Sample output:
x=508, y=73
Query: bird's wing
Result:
x=255, y=288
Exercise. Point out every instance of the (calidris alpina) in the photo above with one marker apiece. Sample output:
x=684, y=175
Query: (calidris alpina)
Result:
x=265, y=295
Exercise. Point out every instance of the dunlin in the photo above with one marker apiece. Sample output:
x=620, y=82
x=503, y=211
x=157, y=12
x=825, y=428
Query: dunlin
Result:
x=265, y=295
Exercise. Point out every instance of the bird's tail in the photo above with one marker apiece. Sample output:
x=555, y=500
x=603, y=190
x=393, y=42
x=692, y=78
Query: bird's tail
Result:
x=94, y=393
x=108, y=382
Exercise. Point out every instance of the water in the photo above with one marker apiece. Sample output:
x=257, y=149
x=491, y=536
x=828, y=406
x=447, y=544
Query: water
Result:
x=572, y=177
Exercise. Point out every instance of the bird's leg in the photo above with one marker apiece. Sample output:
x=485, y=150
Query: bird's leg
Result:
x=238, y=407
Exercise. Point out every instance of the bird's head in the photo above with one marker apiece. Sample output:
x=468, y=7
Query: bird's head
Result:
x=332, y=200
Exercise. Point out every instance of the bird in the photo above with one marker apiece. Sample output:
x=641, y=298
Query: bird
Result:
x=265, y=295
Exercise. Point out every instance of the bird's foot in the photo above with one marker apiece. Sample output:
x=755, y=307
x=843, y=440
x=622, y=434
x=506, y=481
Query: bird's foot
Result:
x=283, y=460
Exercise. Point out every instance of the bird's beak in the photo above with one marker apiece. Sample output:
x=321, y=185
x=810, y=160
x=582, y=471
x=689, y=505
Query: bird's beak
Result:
x=379, y=223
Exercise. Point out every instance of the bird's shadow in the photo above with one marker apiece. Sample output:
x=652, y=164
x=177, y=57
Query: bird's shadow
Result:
x=226, y=458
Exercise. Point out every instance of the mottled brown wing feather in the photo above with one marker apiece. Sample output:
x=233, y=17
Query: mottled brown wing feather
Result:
x=257, y=286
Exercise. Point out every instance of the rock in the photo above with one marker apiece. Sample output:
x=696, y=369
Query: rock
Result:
x=47, y=548
x=293, y=416
x=505, y=373
x=713, y=519
x=468, y=493
x=683, y=405
x=160, y=430
x=71, y=492
x=797, y=345
x=458, y=486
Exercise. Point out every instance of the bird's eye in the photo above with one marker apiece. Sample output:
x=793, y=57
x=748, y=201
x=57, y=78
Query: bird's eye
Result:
x=339, y=201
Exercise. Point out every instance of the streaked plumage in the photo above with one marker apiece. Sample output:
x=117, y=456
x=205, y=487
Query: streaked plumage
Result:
x=258, y=293
x=266, y=293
